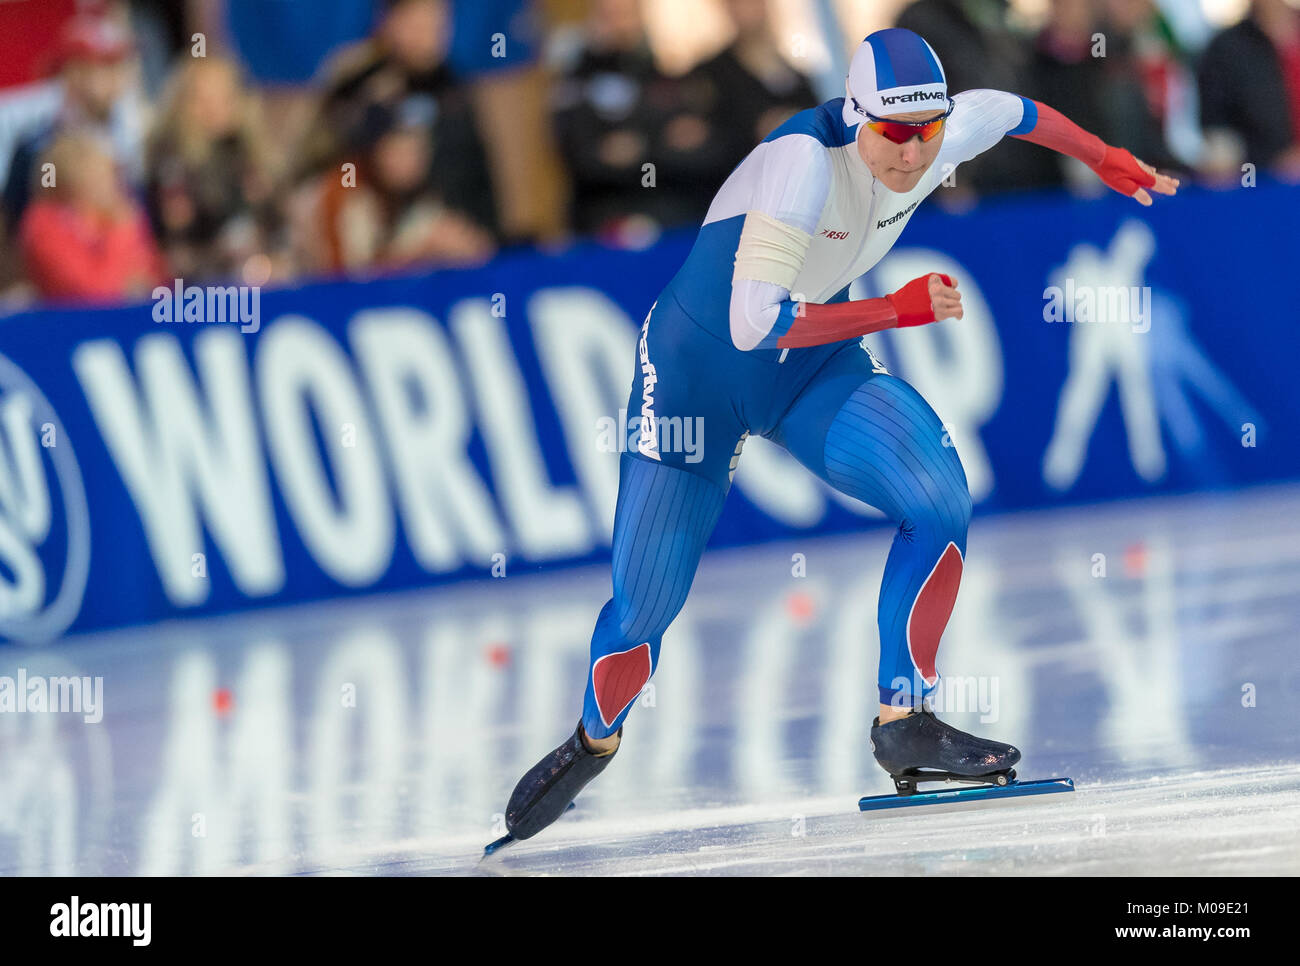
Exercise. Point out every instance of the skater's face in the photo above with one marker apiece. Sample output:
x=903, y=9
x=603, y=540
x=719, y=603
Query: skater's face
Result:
x=899, y=167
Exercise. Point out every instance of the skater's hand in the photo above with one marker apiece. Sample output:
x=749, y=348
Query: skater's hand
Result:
x=1129, y=176
x=944, y=297
x=1164, y=185
x=927, y=298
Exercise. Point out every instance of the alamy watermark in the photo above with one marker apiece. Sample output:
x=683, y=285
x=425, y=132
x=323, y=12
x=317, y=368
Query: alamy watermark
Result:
x=126, y=920
x=959, y=693
x=1117, y=304
x=209, y=303
x=35, y=693
x=661, y=434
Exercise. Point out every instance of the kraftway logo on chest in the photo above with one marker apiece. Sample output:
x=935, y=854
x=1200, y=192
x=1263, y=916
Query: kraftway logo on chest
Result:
x=885, y=223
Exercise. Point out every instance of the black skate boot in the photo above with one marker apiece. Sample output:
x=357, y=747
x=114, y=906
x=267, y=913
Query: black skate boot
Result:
x=920, y=748
x=548, y=789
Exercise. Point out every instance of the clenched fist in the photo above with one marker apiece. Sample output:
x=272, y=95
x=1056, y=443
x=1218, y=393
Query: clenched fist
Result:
x=927, y=298
x=944, y=297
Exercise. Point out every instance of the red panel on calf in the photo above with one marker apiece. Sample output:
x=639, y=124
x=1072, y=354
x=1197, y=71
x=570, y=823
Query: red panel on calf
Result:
x=931, y=610
x=618, y=679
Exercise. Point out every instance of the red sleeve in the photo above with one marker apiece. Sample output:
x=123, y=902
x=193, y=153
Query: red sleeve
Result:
x=1116, y=167
x=815, y=324
x=1056, y=131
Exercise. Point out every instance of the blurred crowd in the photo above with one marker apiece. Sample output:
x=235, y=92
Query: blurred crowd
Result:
x=236, y=141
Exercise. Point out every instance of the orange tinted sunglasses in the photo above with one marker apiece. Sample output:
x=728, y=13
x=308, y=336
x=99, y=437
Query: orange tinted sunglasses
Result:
x=900, y=132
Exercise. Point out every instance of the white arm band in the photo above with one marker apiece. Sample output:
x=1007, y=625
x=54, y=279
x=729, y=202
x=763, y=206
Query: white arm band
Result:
x=770, y=251
x=754, y=310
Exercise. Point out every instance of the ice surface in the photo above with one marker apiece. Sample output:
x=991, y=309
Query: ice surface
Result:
x=384, y=734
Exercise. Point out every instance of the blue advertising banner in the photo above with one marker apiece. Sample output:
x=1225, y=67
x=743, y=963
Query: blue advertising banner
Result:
x=216, y=449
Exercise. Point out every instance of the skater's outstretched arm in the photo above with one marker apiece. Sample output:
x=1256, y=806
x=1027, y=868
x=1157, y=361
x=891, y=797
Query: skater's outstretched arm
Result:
x=1116, y=167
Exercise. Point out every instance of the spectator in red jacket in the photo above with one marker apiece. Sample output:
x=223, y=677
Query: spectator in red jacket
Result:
x=83, y=237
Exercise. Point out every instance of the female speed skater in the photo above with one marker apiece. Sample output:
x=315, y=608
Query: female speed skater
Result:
x=756, y=335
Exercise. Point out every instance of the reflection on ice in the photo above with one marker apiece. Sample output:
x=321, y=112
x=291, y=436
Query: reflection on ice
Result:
x=384, y=734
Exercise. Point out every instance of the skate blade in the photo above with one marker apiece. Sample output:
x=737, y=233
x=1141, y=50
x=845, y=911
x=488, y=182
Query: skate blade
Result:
x=977, y=793
x=492, y=848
